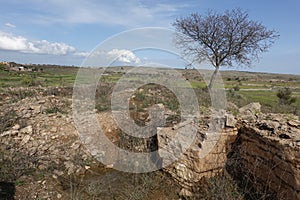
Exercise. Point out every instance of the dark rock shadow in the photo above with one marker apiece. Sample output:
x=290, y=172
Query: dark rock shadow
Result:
x=154, y=156
x=7, y=191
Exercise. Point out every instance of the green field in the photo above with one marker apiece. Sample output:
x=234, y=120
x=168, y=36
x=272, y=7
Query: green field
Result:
x=49, y=77
x=241, y=87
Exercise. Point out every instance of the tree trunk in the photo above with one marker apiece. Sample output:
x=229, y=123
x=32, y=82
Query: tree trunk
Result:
x=213, y=77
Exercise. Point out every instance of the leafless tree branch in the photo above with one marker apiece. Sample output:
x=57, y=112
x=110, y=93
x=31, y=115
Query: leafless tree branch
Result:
x=223, y=39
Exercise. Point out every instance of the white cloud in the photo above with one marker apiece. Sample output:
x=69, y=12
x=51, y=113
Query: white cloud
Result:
x=82, y=54
x=10, y=25
x=124, y=56
x=22, y=44
x=9, y=42
x=120, y=55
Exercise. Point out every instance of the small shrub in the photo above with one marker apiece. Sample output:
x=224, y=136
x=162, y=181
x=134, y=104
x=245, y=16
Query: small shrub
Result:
x=7, y=119
x=58, y=107
x=52, y=110
x=140, y=96
x=2, y=67
x=19, y=94
x=221, y=186
x=30, y=81
x=285, y=96
x=102, y=108
x=236, y=88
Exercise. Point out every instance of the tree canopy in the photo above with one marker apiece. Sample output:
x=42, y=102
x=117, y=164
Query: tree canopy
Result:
x=223, y=39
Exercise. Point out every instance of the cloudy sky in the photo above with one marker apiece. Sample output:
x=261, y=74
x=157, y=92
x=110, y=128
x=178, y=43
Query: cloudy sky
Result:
x=65, y=31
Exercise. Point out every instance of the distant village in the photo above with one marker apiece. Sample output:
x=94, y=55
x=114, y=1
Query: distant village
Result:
x=12, y=66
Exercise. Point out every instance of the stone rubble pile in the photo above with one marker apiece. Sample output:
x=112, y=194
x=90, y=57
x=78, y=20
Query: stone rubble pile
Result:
x=43, y=138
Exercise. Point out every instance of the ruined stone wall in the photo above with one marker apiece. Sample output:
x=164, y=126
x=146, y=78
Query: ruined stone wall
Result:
x=267, y=163
x=191, y=168
x=261, y=152
x=195, y=164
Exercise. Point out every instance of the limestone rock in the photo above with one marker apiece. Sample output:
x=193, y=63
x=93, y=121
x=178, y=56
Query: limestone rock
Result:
x=53, y=129
x=268, y=125
x=16, y=127
x=58, y=173
x=264, y=147
x=294, y=123
x=25, y=139
x=36, y=109
x=185, y=193
x=26, y=130
x=267, y=143
x=230, y=121
x=70, y=167
x=249, y=111
x=9, y=133
x=200, y=159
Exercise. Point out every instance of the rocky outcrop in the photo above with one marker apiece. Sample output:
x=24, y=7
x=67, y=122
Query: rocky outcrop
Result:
x=40, y=146
x=266, y=156
x=205, y=157
x=260, y=151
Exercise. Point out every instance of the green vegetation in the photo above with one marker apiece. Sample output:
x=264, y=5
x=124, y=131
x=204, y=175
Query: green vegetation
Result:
x=51, y=76
x=2, y=67
x=242, y=87
x=285, y=96
x=7, y=119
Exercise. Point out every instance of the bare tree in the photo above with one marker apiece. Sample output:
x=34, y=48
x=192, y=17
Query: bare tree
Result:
x=223, y=39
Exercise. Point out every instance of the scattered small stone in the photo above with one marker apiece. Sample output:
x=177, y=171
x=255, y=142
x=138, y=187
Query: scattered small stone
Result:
x=110, y=166
x=42, y=167
x=36, y=109
x=53, y=129
x=185, y=193
x=75, y=146
x=16, y=127
x=9, y=133
x=27, y=129
x=41, y=102
x=27, y=115
x=70, y=167
x=294, y=123
x=58, y=173
x=25, y=139
x=230, y=120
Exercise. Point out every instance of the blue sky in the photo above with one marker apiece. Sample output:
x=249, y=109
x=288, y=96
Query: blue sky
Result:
x=63, y=32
